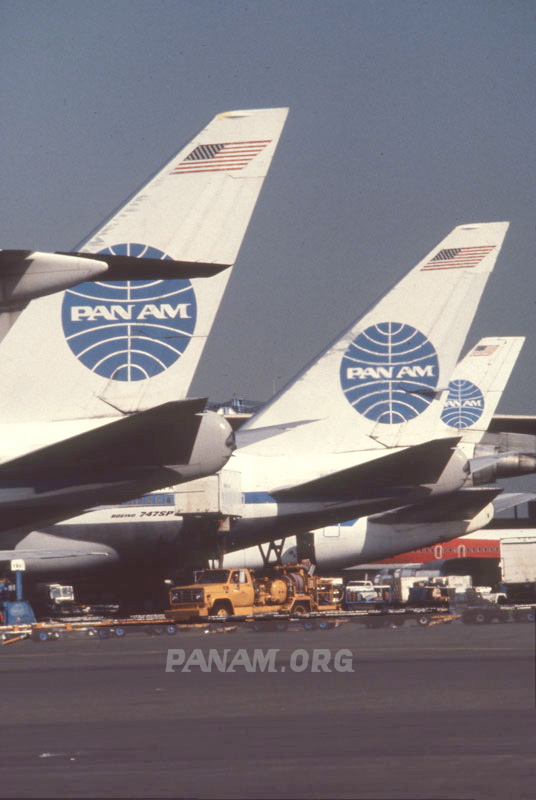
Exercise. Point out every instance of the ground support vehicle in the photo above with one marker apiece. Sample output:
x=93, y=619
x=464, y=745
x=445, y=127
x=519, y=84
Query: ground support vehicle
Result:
x=229, y=592
x=517, y=599
x=291, y=595
x=14, y=610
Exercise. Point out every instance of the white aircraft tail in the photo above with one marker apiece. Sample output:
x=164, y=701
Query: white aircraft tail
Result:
x=477, y=385
x=383, y=381
x=106, y=347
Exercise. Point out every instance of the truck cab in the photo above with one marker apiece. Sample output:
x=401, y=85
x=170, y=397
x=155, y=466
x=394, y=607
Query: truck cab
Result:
x=214, y=592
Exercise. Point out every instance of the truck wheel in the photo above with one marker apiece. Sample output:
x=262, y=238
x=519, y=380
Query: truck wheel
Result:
x=481, y=618
x=221, y=610
x=171, y=629
x=120, y=632
x=281, y=625
x=309, y=624
x=300, y=610
x=529, y=615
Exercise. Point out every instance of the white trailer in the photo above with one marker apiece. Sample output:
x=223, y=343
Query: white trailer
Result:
x=518, y=562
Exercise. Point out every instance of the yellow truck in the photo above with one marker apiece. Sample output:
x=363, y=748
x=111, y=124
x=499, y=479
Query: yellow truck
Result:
x=227, y=592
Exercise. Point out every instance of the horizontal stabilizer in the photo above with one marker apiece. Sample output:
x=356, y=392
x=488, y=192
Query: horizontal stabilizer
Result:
x=513, y=423
x=444, y=508
x=123, y=267
x=164, y=436
x=512, y=499
x=414, y=466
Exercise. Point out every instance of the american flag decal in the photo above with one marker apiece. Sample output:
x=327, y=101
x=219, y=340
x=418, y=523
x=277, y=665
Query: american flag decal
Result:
x=458, y=257
x=485, y=349
x=217, y=157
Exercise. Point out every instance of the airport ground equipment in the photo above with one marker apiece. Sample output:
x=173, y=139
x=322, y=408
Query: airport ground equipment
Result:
x=14, y=610
x=227, y=592
x=517, y=596
x=518, y=569
x=102, y=628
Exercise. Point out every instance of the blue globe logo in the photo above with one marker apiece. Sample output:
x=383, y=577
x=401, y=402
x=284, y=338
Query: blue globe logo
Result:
x=464, y=405
x=129, y=330
x=389, y=373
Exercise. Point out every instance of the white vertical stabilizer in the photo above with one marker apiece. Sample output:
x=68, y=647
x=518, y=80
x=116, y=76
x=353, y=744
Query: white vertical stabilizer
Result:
x=477, y=385
x=382, y=383
x=105, y=348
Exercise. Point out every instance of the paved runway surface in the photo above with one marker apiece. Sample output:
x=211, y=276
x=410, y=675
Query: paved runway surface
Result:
x=443, y=712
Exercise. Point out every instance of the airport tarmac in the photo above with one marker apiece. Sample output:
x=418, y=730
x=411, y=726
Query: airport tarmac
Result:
x=440, y=712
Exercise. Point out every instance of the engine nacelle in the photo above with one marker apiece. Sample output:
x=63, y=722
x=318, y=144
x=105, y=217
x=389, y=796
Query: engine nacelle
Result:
x=26, y=274
x=507, y=466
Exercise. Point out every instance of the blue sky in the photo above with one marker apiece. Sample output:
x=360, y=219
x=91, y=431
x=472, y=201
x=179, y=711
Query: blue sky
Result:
x=407, y=118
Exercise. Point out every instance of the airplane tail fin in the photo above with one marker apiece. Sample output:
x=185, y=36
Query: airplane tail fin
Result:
x=382, y=382
x=477, y=385
x=106, y=347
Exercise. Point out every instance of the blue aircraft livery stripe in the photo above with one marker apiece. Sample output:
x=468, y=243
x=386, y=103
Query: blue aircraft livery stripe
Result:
x=257, y=497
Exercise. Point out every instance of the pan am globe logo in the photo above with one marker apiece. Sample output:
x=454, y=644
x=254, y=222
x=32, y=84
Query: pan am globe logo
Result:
x=464, y=405
x=129, y=330
x=389, y=373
